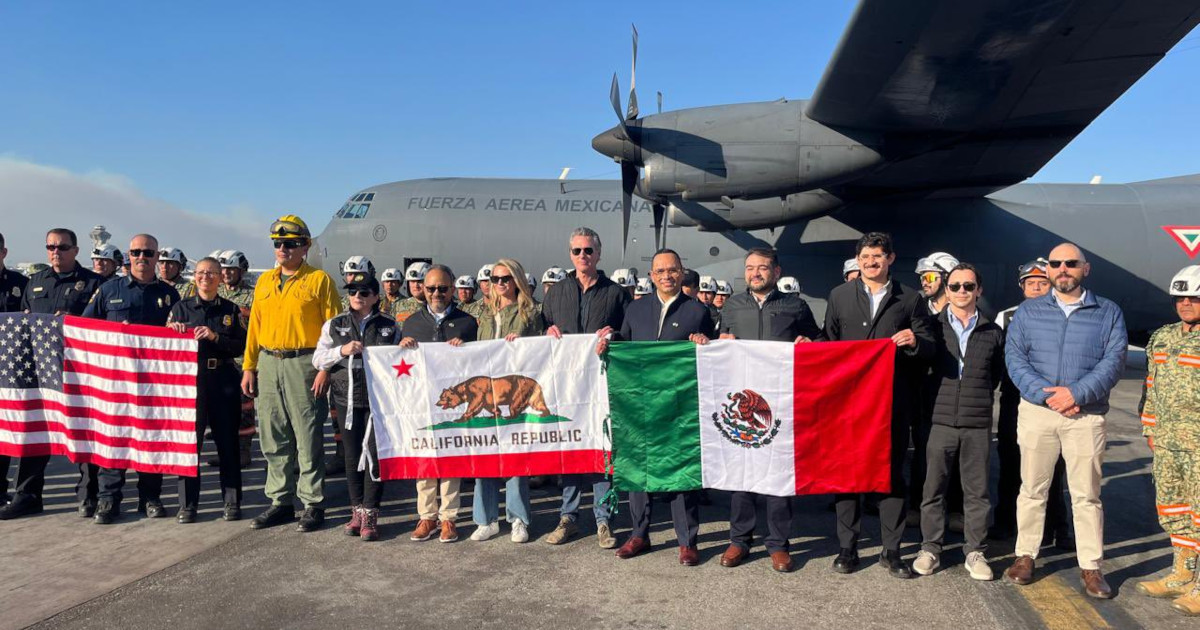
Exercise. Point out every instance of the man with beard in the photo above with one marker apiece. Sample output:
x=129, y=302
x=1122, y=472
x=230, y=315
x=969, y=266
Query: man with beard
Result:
x=1066, y=351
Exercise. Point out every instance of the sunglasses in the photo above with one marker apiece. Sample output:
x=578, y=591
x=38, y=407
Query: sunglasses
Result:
x=930, y=277
x=366, y=293
x=290, y=243
x=440, y=288
x=587, y=251
x=501, y=279
x=62, y=247
x=143, y=253
x=965, y=286
x=1069, y=264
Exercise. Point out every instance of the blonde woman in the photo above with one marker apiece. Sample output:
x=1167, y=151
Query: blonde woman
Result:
x=509, y=313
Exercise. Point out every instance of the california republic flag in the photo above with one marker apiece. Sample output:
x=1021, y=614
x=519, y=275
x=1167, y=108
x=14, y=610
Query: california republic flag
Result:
x=758, y=416
x=535, y=406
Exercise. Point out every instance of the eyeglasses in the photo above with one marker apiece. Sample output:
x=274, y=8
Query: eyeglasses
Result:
x=1069, y=264
x=62, y=247
x=143, y=253
x=366, y=293
x=206, y=274
x=501, y=279
x=965, y=286
x=291, y=243
x=587, y=251
x=930, y=277
x=439, y=288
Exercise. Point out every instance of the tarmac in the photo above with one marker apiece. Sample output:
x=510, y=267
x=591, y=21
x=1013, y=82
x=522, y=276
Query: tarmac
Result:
x=66, y=572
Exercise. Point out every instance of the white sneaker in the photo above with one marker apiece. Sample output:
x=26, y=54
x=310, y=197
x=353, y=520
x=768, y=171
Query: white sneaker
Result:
x=977, y=566
x=485, y=532
x=926, y=563
x=520, y=532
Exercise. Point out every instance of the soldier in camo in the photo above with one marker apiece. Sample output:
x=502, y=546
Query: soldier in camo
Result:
x=464, y=296
x=1170, y=413
x=415, y=276
x=171, y=265
x=236, y=288
x=390, y=281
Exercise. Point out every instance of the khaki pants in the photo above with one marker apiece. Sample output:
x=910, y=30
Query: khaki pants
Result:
x=1042, y=434
x=289, y=430
x=427, y=498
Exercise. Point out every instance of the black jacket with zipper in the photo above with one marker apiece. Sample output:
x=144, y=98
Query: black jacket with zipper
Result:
x=781, y=317
x=965, y=400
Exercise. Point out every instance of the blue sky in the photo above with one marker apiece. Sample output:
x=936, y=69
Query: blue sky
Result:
x=249, y=109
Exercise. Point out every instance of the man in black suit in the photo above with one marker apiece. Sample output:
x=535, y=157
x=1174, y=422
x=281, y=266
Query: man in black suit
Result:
x=876, y=307
x=670, y=316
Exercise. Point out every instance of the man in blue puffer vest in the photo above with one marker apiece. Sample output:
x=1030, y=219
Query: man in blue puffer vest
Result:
x=1065, y=353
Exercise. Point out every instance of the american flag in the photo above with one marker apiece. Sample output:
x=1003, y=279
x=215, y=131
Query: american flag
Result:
x=115, y=395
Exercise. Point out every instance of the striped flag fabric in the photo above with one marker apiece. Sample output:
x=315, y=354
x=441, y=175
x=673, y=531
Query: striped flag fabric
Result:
x=110, y=394
x=758, y=416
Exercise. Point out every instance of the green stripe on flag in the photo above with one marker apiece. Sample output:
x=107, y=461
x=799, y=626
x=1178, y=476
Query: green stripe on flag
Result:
x=654, y=407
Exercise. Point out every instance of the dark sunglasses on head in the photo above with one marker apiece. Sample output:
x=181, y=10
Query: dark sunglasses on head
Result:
x=291, y=243
x=143, y=253
x=62, y=247
x=575, y=251
x=1069, y=264
x=440, y=288
x=501, y=279
x=965, y=286
x=360, y=293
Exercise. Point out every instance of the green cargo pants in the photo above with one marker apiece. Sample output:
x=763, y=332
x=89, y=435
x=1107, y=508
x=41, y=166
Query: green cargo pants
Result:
x=289, y=430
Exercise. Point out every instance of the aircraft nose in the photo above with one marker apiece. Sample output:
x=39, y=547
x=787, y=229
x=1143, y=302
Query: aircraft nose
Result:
x=610, y=143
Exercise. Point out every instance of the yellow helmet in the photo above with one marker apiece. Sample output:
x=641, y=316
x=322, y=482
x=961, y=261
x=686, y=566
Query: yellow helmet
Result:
x=289, y=226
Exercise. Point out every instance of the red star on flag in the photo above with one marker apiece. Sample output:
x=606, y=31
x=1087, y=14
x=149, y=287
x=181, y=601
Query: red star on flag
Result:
x=404, y=368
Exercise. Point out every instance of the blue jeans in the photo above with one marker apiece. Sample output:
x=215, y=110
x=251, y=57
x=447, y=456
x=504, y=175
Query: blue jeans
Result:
x=572, y=496
x=486, y=508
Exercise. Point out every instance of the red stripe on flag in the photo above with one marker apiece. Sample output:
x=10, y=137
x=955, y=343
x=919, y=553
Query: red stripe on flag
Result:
x=96, y=437
x=843, y=416
x=139, y=330
x=129, y=399
x=71, y=411
x=506, y=465
x=35, y=450
x=152, y=378
x=148, y=354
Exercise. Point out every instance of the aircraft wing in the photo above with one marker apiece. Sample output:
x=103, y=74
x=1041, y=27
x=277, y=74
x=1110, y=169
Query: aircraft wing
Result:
x=982, y=93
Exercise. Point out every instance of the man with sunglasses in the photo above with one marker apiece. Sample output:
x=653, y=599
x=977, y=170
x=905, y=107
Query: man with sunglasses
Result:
x=1171, y=423
x=585, y=301
x=438, y=321
x=291, y=303
x=1065, y=352
x=64, y=289
x=967, y=367
x=140, y=298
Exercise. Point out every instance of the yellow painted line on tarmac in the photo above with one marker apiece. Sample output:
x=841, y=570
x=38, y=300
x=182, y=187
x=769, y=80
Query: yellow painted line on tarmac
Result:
x=1061, y=606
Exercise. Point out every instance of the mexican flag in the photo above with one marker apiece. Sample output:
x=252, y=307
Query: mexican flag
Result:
x=535, y=406
x=760, y=416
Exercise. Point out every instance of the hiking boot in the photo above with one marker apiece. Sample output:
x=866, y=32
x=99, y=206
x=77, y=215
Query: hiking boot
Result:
x=449, y=532
x=354, y=527
x=977, y=565
x=926, y=563
x=370, y=524
x=274, y=515
x=1188, y=603
x=604, y=536
x=311, y=520
x=1177, y=582
x=565, y=531
x=486, y=532
x=425, y=529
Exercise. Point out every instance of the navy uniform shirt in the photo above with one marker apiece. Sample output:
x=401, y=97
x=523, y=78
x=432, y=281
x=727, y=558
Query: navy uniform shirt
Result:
x=67, y=293
x=222, y=317
x=12, y=290
x=127, y=301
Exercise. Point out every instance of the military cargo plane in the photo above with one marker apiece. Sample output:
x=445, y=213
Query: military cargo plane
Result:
x=927, y=119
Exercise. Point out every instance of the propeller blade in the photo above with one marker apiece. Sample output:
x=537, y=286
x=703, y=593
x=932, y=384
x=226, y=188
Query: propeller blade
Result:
x=660, y=232
x=629, y=177
x=632, y=113
x=660, y=102
x=614, y=96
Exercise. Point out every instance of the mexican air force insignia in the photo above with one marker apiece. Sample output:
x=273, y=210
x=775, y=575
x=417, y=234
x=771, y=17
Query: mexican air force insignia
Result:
x=1187, y=236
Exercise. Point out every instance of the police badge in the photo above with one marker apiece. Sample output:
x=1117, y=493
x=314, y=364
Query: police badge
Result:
x=79, y=285
x=227, y=320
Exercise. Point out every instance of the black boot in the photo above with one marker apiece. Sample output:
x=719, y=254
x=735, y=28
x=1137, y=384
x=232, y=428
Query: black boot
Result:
x=274, y=515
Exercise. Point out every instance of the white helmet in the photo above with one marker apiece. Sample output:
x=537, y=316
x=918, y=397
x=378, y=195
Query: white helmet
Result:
x=358, y=264
x=851, y=264
x=940, y=262
x=789, y=284
x=1186, y=283
x=217, y=253
x=173, y=254
x=724, y=288
x=708, y=284
x=530, y=280
x=108, y=252
x=625, y=277
x=391, y=274
x=643, y=287
x=464, y=282
x=417, y=271
x=554, y=274
x=232, y=258
x=485, y=273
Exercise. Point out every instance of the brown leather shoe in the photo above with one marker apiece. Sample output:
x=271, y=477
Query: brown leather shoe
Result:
x=633, y=547
x=689, y=556
x=449, y=532
x=781, y=561
x=1021, y=571
x=425, y=529
x=1094, y=584
x=734, y=556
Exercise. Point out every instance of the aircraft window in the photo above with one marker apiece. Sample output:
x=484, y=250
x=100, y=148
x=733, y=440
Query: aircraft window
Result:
x=370, y=197
x=363, y=208
x=341, y=213
x=359, y=197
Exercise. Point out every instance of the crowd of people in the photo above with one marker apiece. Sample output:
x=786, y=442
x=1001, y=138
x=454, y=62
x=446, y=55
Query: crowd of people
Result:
x=280, y=357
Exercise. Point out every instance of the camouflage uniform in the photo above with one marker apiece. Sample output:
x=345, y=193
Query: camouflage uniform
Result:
x=385, y=303
x=243, y=296
x=474, y=308
x=402, y=309
x=186, y=289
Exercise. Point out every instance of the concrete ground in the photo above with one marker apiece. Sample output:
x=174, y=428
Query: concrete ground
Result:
x=65, y=572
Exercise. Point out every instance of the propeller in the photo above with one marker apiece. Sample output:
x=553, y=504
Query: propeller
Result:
x=632, y=113
x=660, y=233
